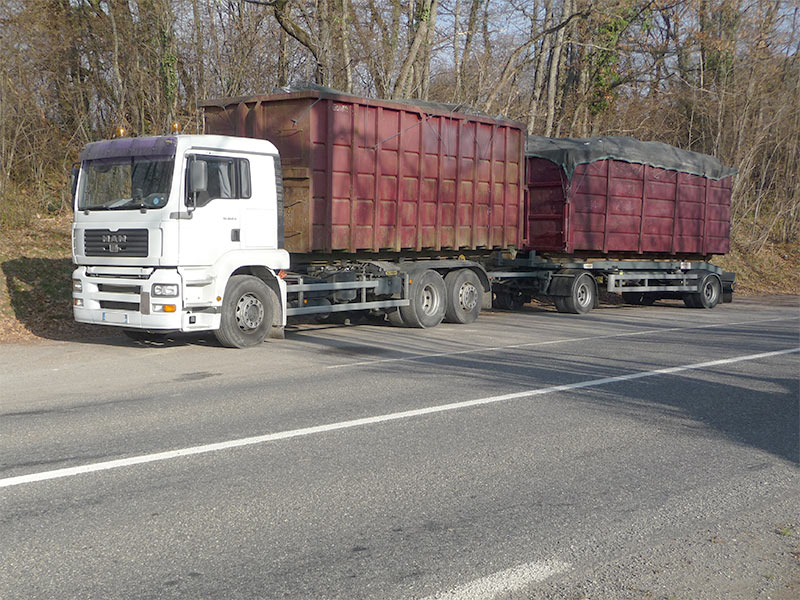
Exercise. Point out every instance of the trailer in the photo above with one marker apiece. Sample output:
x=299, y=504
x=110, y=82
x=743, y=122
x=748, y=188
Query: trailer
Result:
x=641, y=219
x=314, y=202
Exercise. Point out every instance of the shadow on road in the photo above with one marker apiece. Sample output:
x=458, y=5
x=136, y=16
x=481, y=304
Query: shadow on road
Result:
x=758, y=411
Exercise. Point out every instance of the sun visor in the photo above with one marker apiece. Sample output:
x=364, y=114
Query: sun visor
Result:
x=143, y=146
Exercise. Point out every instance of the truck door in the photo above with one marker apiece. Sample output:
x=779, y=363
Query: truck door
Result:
x=259, y=217
x=235, y=211
x=214, y=218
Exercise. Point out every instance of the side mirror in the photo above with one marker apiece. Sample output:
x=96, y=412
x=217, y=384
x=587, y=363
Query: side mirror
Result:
x=198, y=176
x=198, y=182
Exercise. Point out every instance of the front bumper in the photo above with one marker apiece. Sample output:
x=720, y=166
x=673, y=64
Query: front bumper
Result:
x=122, y=297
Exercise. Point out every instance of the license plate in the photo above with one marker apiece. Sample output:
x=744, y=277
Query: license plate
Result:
x=115, y=317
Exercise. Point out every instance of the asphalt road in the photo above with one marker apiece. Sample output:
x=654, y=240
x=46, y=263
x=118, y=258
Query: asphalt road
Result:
x=648, y=452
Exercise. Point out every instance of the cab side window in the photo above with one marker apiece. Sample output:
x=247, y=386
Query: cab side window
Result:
x=227, y=178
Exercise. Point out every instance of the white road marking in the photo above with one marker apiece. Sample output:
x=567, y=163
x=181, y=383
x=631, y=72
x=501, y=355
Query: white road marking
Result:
x=284, y=435
x=503, y=582
x=547, y=343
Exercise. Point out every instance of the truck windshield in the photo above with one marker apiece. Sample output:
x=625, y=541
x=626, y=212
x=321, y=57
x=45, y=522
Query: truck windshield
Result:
x=126, y=183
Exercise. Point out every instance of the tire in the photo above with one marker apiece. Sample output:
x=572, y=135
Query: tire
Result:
x=143, y=335
x=690, y=300
x=395, y=318
x=638, y=298
x=582, y=297
x=710, y=292
x=428, y=297
x=503, y=301
x=247, y=311
x=464, y=296
x=509, y=300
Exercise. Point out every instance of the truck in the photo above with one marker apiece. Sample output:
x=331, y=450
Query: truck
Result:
x=314, y=202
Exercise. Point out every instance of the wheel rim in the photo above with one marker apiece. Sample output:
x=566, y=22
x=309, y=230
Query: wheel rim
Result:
x=249, y=312
x=468, y=296
x=583, y=295
x=710, y=292
x=430, y=300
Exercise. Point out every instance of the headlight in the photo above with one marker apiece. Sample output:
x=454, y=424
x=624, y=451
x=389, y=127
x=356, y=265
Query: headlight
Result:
x=77, y=285
x=164, y=308
x=165, y=290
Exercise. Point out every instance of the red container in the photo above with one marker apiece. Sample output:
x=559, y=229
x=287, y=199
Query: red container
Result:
x=612, y=207
x=363, y=175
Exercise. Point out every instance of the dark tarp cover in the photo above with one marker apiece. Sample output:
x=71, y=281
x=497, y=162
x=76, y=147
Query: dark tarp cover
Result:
x=570, y=152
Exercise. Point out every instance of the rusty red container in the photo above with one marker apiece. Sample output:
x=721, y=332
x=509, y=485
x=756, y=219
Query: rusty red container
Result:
x=609, y=207
x=364, y=175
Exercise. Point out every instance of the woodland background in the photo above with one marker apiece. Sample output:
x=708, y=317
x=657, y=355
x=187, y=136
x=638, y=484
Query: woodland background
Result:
x=715, y=76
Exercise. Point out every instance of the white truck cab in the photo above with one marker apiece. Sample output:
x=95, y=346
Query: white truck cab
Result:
x=164, y=225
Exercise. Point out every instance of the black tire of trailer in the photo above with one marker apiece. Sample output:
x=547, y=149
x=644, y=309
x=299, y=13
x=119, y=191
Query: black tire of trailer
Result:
x=428, y=297
x=464, y=296
x=709, y=294
x=509, y=300
x=395, y=318
x=247, y=311
x=582, y=296
x=638, y=298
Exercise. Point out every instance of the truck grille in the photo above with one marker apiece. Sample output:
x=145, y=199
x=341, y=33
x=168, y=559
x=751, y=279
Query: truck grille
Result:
x=124, y=242
x=117, y=305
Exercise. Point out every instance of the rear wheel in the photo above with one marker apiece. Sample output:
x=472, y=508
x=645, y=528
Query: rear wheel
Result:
x=395, y=318
x=710, y=292
x=708, y=295
x=464, y=295
x=690, y=300
x=428, y=296
x=583, y=294
x=247, y=311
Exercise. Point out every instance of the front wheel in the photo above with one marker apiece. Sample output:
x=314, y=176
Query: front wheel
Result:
x=247, y=311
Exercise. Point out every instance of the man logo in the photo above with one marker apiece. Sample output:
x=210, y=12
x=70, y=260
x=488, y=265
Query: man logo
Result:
x=114, y=240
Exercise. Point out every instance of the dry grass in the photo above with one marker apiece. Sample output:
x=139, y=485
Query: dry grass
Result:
x=774, y=270
x=36, y=283
x=36, y=294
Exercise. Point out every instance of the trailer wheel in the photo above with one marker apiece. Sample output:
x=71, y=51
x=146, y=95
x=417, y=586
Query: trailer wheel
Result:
x=638, y=298
x=247, y=310
x=464, y=295
x=690, y=300
x=560, y=305
x=505, y=300
x=395, y=318
x=428, y=297
x=709, y=295
x=582, y=297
